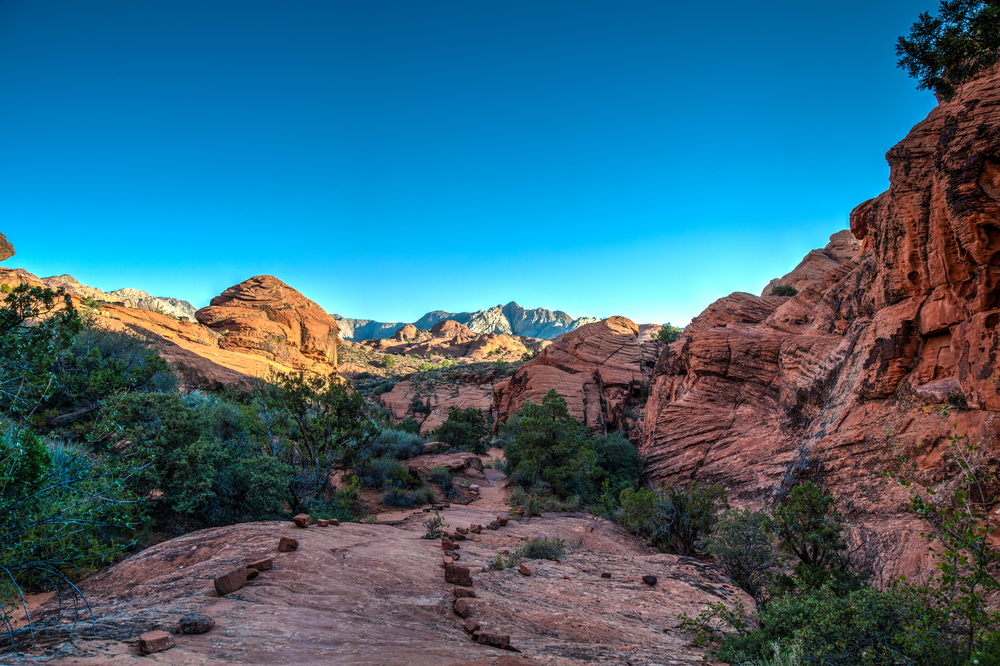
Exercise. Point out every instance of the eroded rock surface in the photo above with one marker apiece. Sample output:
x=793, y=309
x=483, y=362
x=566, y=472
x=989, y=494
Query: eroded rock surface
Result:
x=761, y=391
x=599, y=369
x=265, y=316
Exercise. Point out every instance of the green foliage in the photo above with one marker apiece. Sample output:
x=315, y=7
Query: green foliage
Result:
x=389, y=361
x=417, y=406
x=943, y=51
x=542, y=549
x=464, y=429
x=501, y=561
x=392, y=443
x=672, y=517
x=385, y=472
x=409, y=425
x=546, y=445
x=36, y=326
x=442, y=477
x=435, y=527
x=669, y=333
x=621, y=468
x=810, y=532
x=63, y=513
x=202, y=473
x=784, y=290
x=745, y=551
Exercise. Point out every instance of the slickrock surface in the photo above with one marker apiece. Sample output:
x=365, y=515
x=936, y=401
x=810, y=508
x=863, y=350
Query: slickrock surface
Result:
x=376, y=594
x=265, y=316
x=599, y=368
x=760, y=391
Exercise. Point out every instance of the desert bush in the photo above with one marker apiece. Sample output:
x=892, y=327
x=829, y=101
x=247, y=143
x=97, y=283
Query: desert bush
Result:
x=542, y=549
x=784, y=290
x=393, y=443
x=745, y=551
x=435, y=527
x=669, y=333
x=389, y=361
x=409, y=425
x=501, y=561
x=417, y=406
x=672, y=517
x=442, y=477
x=464, y=429
x=377, y=472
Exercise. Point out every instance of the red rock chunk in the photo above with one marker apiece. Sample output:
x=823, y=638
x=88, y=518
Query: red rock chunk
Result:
x=649, y=580
x=462, y=608
x=261, y=565
x=155, y=641
x=471, y=626
x=605, y=575
x=196, y=624
x=287, y=545
x=501, y=521
x=458, y=576
x=524, y=570
x=231, y=581
x=302, y=520
x=251, y=573
x=464, y=592
x=322, y=523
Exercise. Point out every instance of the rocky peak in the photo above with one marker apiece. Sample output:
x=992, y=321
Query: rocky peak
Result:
x=265, y=316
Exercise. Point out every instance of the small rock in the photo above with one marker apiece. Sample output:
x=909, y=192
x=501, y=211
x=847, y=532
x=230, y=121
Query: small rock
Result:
x=462, y=608
x=464, y=592
x=458, y=576
x=196, y=624
x=605, y=575
x=565, y=577
x=524, y=570
x=262, y=565
x=649, y=580
x=334, y=522
x=448, y=544
x=426, y=509
x=231, y=581
x=476, y=529
x=252, y=573
x=505, y=551
x=446, y=505
x=501, y=521
x=287, y=545
x=458, y=536
x=496, y=640
x=471, y=626
x=322, y=523
x=454, y=555
x=494, y=525
x=155, y=641
x=462, y=530
x=302, y=520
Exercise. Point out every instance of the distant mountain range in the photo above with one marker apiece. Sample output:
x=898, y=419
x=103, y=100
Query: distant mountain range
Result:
x=511, y=319
x=130, y=298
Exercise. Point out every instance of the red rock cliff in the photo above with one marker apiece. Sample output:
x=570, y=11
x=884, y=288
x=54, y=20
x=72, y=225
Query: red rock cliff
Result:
x=762, y=390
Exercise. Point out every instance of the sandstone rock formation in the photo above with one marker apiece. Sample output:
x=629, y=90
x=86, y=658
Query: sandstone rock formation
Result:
x=265, y=316
x=6, y=248
x=450, y=338
x=761, y=391
x=598, y=368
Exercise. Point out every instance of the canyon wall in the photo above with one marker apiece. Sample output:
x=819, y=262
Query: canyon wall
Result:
x=762, y=391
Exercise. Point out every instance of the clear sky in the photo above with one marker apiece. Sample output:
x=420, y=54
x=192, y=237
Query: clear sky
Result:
x=390, y=157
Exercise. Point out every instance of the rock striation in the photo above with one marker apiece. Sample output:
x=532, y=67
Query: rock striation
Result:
x=599, y=369
x=762, y=391
x=265, y=316
x=130, y=298
x=450, y=338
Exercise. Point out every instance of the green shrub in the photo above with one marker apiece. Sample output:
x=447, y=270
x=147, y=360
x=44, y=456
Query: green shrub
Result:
x=501, y=561
x=378, y=472
x=464, y=430
x=542, y=549
x=669, y=333
x=745, y=551
x=784, y=290
x=418, y=406
x=435, y=527
x=389, y=361
x=672, y=517
x=393, y=443
x=409, y=425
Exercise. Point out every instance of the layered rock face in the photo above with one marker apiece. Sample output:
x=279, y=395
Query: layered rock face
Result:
x=763, y=390
x=450, y=338
x=265, y=316
x=598, y=368
x=130, y=298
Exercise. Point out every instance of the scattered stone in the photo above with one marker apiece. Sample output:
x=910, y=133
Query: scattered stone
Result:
x=302, y=520
x=458, y=536
x=448, y=561
x=252, y=573
x=476, y=529
x=322, y=523
x=494, y=525
x=446, y=505
x=471, y=626
x=287, y=545
x=155, y=641
x=448, y=544
x=524, y=570
x=501, y=521
x=426, y=509
x=454, y=555
x=462, y=530
x=196, y=624
x=458, y=576
x=496, y=640
x=438, y=507
x=565, y=577
x=605, y=575
x=462, y=608
x=262, y=565
x=231, y=581
x=464, y=592
x=505, y=551
x=649, y=580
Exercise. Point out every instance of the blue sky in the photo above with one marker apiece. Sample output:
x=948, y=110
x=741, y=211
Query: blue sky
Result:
x=390, y=157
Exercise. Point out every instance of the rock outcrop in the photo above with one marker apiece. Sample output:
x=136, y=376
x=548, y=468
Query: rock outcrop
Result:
x=599, y=369
x=6, y=248
x=450, y=338
x=130, y=298
x=761, y=391
x=265, y=316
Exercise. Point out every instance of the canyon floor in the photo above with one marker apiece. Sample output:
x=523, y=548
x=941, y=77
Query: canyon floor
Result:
x=376, y=594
